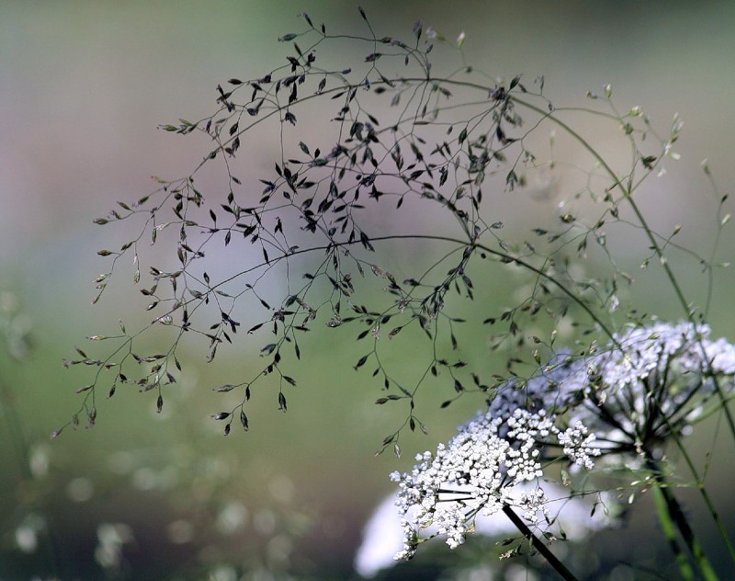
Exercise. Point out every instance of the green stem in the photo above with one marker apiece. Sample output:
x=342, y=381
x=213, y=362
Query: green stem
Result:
x=627, y=195
x=706, y=498
x=676, y=513
x=667, y=527
x=539, y=545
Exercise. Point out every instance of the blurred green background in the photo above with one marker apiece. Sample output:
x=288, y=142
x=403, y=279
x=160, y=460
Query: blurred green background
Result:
x=83, y=85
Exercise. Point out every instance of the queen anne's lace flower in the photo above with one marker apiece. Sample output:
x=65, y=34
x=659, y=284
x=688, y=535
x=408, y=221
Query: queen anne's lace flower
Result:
x=647, y=384
x=477, y=471
x=573, y=518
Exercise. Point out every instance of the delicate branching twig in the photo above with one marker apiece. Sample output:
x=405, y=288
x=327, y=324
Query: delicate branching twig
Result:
x=442, y=153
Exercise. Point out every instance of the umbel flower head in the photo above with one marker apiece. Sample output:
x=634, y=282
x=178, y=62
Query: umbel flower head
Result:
x=648, y=384
x=572, y=518
x=625, y=400
x=482, y=470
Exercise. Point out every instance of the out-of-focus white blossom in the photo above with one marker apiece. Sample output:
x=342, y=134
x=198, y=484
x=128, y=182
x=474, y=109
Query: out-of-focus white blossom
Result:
x=645, y=384
x=26, y=535
x=649, y=383
x=110, y=540
x=623, y=401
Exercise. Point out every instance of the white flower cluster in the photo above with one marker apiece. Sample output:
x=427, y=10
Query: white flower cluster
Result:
x=648, y=383
x=573, y=518
x=477, y=471
x=660, y=348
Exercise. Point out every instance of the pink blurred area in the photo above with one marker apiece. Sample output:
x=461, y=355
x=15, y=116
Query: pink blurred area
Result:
x=84, y=84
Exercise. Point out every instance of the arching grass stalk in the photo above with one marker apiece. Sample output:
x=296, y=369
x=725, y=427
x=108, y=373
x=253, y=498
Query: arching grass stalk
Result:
x=628, y=197
x=323, y=190
x=680, y=519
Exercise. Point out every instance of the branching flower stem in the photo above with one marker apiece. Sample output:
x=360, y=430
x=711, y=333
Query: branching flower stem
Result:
x=516, y=260
x=500, y=254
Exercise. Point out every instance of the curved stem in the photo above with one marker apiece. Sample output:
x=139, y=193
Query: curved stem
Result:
x=627, y=195
x=472, y=244
x=518, y=261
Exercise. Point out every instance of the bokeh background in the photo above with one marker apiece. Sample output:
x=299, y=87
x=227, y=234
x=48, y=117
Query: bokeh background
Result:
x=83, y=86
